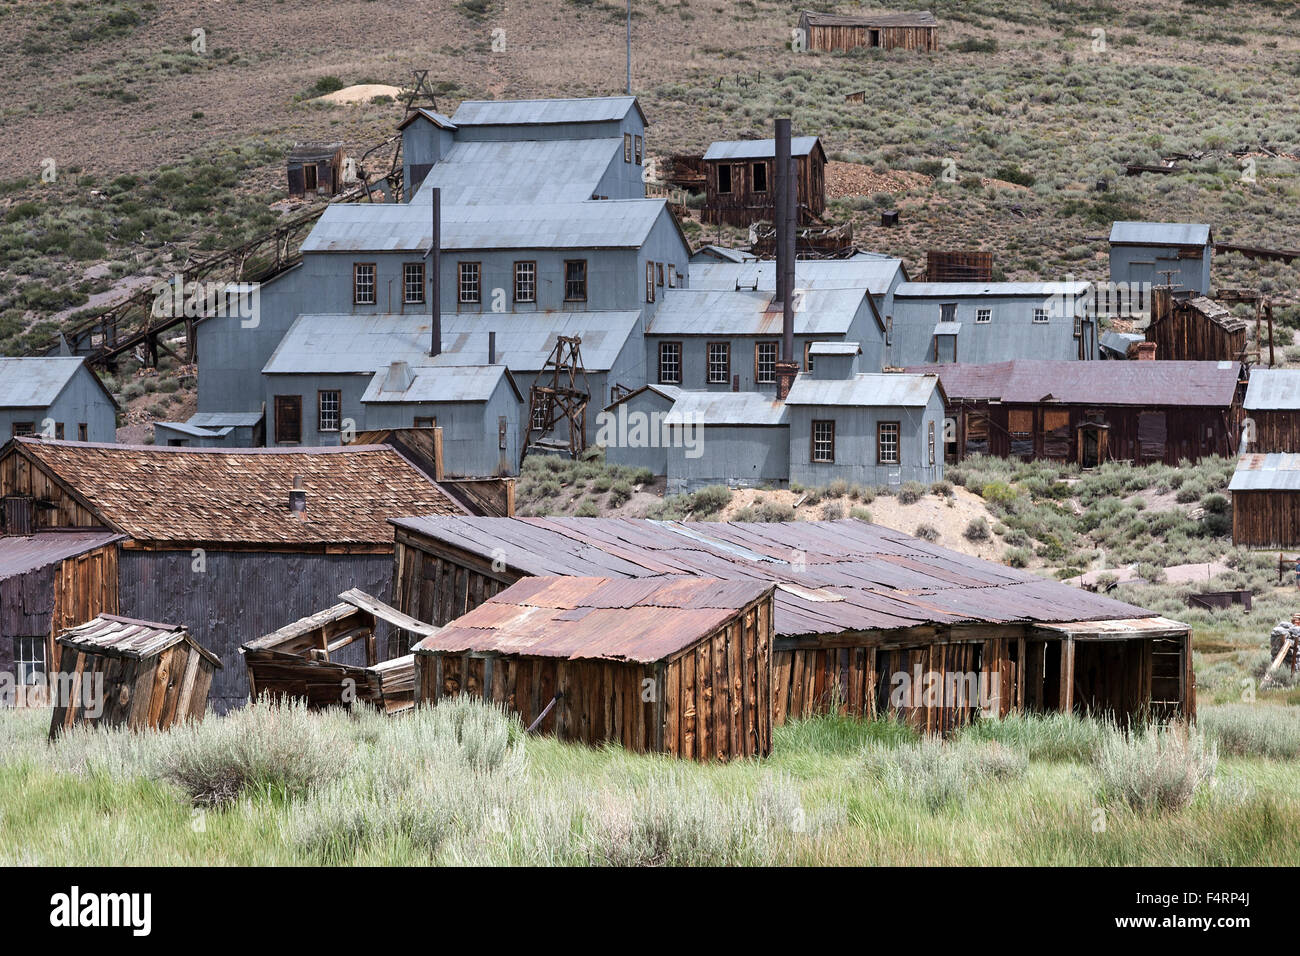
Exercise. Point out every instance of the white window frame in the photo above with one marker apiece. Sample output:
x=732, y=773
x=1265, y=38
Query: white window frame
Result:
x=413, y=288
x=760, y=364
x=673, y=352
x=526, y=279
x=324, y=413
x=718, y=370
x=469, y=281
x=983, y=316
x=365, y=283
x=1040, y=315
x=823, y=441
x=30, y=664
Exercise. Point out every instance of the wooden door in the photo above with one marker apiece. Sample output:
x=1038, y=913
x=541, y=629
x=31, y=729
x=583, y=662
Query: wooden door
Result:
x=288, y=419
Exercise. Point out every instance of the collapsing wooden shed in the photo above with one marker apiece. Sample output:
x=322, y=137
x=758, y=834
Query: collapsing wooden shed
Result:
x=117, y=671
x=298, y=661
x=676, y=665
x=315, y=169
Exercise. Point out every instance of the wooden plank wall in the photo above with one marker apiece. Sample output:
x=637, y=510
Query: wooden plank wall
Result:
x=743, y=206
x=438, y=586
x=828, y=38
x=1276, y=430
x=153, y=693
x=19, y=476
x=712, y=701
x=1266, y=519
x=1182, y=333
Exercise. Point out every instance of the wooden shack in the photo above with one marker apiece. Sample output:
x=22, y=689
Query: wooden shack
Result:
x=306, y=659
x=676, y=665
x=1265, y=491
x=883, y=31
x=1092, y=412
x=972, y=265
x=1193, y=328
x=1272, y=410
x=740, y=180
x=117, y=671
x=856, y=608
x=315, y=169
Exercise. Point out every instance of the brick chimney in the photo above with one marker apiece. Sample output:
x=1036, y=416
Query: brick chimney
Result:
x=1146, y=351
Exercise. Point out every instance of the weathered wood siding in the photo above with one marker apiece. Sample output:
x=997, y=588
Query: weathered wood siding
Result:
x=1266, y=519
x=19, y=476
x=829, y=38
x=1276, y=430
x=712, y=701
x=743, y=206
x=438, y=585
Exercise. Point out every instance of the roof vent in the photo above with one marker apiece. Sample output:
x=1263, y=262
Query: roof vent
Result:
x=298, y=495
x=398, y=377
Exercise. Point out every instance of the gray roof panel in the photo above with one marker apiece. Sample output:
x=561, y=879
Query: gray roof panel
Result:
x=35, y=382
x=731, y=312
x=959, y=290
x=865, y=390
x=443, y=383
x=527, y=171
x=758, y=148
x=1160, y=233
x=596, y=109
x=1275, y=472
x=725, y=408
x=874, y=275
x=1273, y=388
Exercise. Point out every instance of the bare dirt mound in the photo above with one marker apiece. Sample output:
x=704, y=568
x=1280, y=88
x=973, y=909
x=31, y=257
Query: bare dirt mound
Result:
x=361, y=93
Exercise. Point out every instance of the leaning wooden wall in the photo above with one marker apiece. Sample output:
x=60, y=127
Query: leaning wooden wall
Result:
x=438, y=585
x=152, y=693
x=84, y=587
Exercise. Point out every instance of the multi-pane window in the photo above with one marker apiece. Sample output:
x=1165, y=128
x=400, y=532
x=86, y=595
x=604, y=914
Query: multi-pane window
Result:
x=539, y=417
x=639, y=143
x=470, y=285
x=29, y=659
x=525, y=281
x=575, y=280
x=765, y=354
x=363, y=283
x=931, y=443
x=328, y=403
x=719, y=363
x=649, y=281
x=670, y=363
x=983, y=316
x=413, y=282
x=627, y=147
x=807, y=357
x=887, y=443
x=823, y=440
x=22, y=428
x=1040, y=315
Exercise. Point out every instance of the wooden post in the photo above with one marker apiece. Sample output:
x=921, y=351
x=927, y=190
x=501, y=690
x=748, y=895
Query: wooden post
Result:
x=1066, y=699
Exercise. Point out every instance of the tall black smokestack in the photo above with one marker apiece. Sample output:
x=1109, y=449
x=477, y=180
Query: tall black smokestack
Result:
x=791, y=248
x=780, y=207
x=435, y=276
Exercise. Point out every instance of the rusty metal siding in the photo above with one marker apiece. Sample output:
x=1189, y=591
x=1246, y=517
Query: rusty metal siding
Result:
x=241, y=596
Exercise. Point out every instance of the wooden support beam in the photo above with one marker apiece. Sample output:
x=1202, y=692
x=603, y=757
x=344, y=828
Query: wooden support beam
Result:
x=1066, y=698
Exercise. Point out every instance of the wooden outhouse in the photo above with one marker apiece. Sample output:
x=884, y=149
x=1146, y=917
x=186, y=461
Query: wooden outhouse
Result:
x=674, y=665
x=315, y=169
x=118, y=671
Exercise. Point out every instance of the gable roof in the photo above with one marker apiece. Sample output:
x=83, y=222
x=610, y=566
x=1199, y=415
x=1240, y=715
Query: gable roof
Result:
x=831, y=576
x=433, y=116
x=169, y=495
x=590, y=109
x=865, y=390
x=36, y=381
x=725, y=408
x=1159, y=234
x=761, y=148
x=597, y=618
x=669, y=393
x=492, y=172
x=1273, y=389
x=1031, y=381
x=436, y=384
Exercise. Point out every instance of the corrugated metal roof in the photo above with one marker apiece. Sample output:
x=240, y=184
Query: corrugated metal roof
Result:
x=834, y=348
x=594, y=109
x=1272, y=472
x=519, y=171
x=960, y=290
x=1273, y=388
x=35, y=382
x=873, y=275
x=597, y=618
x=433, y=116
x=19, y=555
x=316, y=151
x=731, y=312
x=832, y=576
x=1160, y=233
x=865, y=390
x=444, y=383
x=344, y=344
x=195, y=431
x=1119, y=341
x=670, y=392
x=920, y=18
x=725, y=408
x=758, y=148
x=224, y=419
x=595, y=224
x=111, y=636
x=711, y=252
x=1031, y=381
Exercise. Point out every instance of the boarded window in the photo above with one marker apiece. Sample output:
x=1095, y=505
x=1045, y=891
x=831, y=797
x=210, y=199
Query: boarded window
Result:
x=977, y=433
x=1056, y=433
x=1020, y=429
x=1152, y=434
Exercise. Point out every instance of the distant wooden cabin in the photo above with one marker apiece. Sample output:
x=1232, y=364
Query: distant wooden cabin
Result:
x=121, y=672
x=965, y=266
x=674, y=665
x=1273, y=409
x=1092, y=412
x=1265, y=492
x=1193, y=328
x=315, y=169
x=885, y=31
x=740, y=180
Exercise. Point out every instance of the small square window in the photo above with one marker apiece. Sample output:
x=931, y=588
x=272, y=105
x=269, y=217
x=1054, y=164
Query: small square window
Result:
x=29, y=659
x=470, y=285
x=983, y=316
x=422, y=421
x=1040, y=316
x=22, y=428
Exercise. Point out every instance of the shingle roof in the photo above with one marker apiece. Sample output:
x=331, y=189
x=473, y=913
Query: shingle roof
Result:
x=865, y=390
x=174, y=495
x=831, y=576
x=1159, y=233
x=1273, y=388
x=36, y=381
x=1273, y=472
x=731, y=312
x=597, y=618
x=758, y=148
x=725, y=408
x=592, y=109
x=111, y=636
x=1030, y=381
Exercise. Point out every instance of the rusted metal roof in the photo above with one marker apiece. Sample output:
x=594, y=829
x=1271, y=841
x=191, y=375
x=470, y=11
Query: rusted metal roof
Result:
x=111, y=636
x=1034, y=381
x=597, y=618
x=240, y=496
x=19, y=555
x=840, y=575
x=1277, y=471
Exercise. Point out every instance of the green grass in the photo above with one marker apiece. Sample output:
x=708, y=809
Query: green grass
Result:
x=461, y=784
